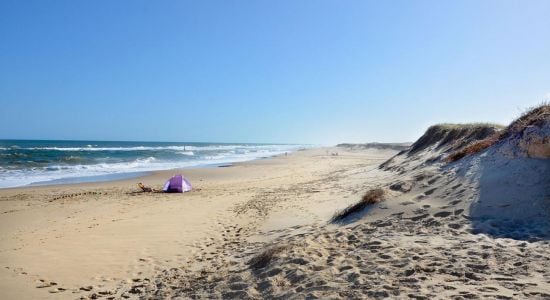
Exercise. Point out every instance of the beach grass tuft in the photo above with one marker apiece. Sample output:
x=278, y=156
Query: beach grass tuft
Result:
x=372, y=196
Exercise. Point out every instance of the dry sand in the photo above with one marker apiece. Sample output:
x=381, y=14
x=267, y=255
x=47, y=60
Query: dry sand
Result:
x=476, y=228
x=58, y=241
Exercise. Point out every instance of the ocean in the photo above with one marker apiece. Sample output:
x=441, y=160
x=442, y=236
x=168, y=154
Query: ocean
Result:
x=32, y=162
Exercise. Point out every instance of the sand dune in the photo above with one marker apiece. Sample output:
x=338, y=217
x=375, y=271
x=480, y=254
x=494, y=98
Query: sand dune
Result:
x=476, y=226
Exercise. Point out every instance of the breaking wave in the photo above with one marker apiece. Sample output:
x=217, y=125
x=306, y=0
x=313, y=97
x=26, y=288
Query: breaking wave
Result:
x=30, y=164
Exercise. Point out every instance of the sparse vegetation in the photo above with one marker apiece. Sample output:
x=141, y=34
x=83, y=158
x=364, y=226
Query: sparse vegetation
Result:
x=381, y=146
x=264, y=258
x=477, y=125
x=454, y=136
x=372, y=196
x=534, y=116
x=475, y=147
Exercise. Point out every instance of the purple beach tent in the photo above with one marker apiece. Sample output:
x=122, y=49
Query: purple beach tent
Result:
x=177, y=184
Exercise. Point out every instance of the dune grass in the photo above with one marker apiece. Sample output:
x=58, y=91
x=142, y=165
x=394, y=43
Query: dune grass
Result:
x=476, y=125
x=453, y=135
x=533, y=116
x=372, y=196
x=475, y=147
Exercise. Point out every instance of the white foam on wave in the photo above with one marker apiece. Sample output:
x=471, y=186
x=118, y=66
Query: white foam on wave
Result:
x=14, y=178
x=190, y=153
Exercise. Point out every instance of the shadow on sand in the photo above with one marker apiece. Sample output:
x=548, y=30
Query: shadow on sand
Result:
x=514, y=198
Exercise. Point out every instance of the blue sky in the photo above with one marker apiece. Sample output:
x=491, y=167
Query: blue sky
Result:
x=266, y=71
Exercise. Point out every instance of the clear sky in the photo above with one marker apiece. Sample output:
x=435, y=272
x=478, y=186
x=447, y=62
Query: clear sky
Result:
x=266, y=71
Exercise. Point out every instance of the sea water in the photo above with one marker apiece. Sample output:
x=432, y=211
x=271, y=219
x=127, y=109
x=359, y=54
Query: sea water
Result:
x=25, y=162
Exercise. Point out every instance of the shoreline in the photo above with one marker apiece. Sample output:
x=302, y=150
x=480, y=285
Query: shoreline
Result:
x=104, y=234
x=108, y=240
x=31, y=163
x=123, y=176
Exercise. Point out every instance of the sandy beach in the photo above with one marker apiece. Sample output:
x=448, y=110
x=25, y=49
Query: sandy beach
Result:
x=275, y=150
x=462, y=213
x=58, y=241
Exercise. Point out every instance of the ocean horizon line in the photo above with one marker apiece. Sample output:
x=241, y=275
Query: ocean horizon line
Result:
x=144, y=141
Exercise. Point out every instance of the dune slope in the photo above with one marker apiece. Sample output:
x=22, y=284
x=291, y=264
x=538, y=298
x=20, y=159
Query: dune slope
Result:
x=464, y=228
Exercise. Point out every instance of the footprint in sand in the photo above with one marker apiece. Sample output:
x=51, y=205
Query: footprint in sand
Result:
x=419, y=217
x=384, y=256
x=57, y=290
x=433, y=180
x=442, y=214
x=454, y=225
x=429, y=192
x=45, y=285
x=456, y=186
